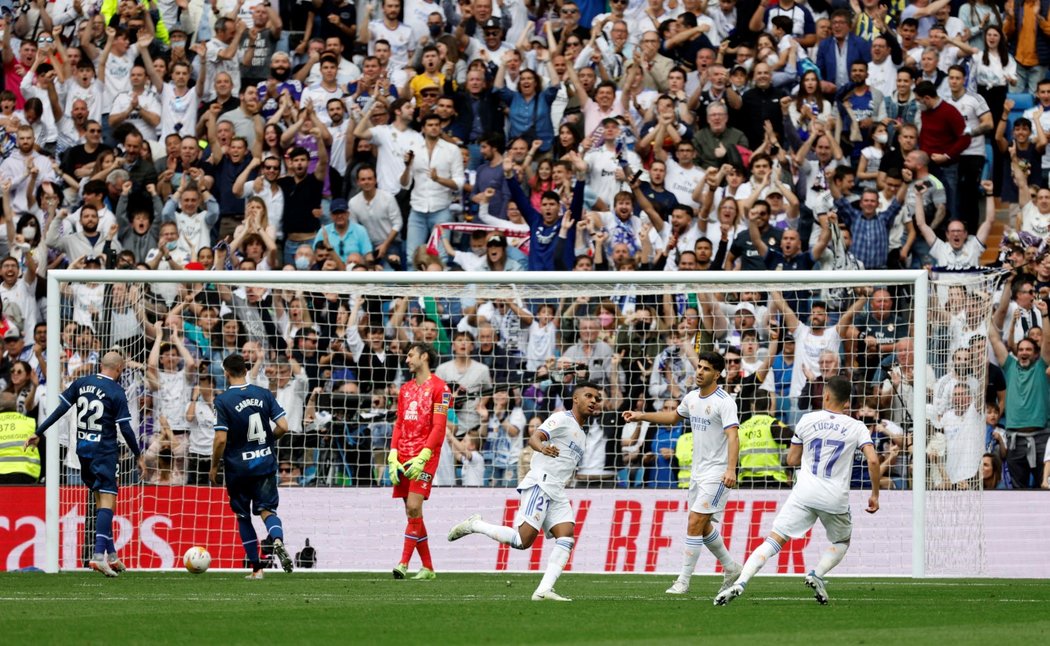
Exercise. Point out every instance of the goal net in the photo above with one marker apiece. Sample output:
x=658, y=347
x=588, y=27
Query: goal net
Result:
x=331, y=348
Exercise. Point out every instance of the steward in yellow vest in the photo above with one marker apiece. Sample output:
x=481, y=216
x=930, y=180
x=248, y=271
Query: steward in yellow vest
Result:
x=18, y=465
x=683, y=453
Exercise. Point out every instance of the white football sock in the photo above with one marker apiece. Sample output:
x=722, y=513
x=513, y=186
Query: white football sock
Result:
x=831, y=557
x=757, y=559
x=558, y=558
x=499, y=533
x=717, y=546
x=690, y=556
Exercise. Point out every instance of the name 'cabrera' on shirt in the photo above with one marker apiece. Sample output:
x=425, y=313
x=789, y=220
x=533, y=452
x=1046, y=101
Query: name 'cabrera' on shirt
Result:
x=709, y=417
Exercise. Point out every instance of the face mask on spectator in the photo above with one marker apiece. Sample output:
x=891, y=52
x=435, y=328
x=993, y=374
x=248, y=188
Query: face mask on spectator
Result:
x=171, y=246
x=302, y=263
x=28, y=232
x=178, y=44
x=882, y=137
x=435, y=30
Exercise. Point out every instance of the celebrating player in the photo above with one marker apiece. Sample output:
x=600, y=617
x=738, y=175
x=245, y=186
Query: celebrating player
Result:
x=558, y=444
x=102, y=409
x=713, y=417
x=422, y=411
x=824, y=444
x=246, y=444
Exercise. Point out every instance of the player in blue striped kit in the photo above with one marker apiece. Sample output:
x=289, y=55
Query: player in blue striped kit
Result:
x=102, y=410
x=246, y=444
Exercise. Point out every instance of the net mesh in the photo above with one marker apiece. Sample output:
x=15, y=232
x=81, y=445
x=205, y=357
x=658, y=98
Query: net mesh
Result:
x=333, y=356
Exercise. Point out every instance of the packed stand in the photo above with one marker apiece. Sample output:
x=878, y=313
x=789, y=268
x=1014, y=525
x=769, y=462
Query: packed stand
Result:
x=665, y=135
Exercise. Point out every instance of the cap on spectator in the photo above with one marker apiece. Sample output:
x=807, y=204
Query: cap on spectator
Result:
x=496, y=241
x=13, y=333
x=492, y=24
x=178, y=28
x=789, y=338
x=93, y=260
x=195, y=266
x=429, y=86
x=777, y=193
x=339, y=205
x=538, y=40
x=745, y=308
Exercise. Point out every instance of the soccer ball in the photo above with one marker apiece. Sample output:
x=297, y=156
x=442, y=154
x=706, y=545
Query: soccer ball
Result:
x=197, y=559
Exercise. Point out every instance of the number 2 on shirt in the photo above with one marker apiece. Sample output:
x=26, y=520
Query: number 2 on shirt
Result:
x=817, y=445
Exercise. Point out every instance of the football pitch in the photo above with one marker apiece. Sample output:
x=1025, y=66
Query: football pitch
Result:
x=370, y=608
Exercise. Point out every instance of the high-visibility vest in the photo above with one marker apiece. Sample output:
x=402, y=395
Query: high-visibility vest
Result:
x=15, y=429
x=683, y=452
x=759, y=452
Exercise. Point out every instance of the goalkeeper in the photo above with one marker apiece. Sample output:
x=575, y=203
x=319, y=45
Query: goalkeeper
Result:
x=422, y=410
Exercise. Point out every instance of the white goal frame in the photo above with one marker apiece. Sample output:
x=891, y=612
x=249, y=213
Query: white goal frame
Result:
x=917, y=279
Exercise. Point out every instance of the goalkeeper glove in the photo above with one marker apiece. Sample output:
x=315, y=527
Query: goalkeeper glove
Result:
x=414, y=467
x=393, y=467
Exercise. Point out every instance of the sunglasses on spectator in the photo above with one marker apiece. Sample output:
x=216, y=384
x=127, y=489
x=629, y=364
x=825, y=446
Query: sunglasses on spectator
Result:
x=617, y=1
x=271, y=167
x=569, y=12
x=45, y=39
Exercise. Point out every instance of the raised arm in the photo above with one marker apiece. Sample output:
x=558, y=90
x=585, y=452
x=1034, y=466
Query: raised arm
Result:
x=989, y=211
x=920, y=216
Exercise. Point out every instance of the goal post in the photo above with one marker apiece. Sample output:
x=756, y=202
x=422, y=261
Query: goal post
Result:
x=915, y=288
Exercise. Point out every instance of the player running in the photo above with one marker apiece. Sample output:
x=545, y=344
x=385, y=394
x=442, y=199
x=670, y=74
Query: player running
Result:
x=246, y=444
x=102, y=410
x=422, y=412
x=713, y=418
x=824, y=444
x=559, y=444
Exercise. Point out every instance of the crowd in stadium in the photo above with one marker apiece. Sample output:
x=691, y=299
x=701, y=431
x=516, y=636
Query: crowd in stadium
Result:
x=512, y=135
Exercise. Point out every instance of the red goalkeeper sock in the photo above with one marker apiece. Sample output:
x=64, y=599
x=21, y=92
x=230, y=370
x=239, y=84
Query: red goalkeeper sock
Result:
x=412, y=534
x=423, y=546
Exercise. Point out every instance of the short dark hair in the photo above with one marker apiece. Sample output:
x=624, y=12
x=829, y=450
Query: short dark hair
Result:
x=783, y=23
x=424, y=348
x=235, y=365
x=716, y=360
x=299, y=151
x=925, y=89
x=840, y=389
x=587, y=383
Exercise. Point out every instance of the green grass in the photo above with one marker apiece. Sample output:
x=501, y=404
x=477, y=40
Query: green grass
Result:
x=146, y=607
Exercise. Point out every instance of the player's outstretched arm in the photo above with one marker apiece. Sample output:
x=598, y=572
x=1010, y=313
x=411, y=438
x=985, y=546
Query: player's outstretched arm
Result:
x=875, y=474
x=63, y=406
x=662, y=418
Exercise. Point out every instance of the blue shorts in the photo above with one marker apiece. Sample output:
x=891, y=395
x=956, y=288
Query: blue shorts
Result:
x=252, y=494
x=99, y=474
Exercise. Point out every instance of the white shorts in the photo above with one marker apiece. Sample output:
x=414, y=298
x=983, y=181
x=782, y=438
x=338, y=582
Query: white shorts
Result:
x=541, y=512
x=795, y=519
x=708, y=497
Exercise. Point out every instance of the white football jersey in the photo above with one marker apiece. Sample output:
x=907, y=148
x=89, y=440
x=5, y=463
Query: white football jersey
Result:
x=553, y=474
x=828, y=441
x=709, y=417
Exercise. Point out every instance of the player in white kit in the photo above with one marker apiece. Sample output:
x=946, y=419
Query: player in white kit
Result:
x=713, y=419
x=823, y=445
x=558, y=443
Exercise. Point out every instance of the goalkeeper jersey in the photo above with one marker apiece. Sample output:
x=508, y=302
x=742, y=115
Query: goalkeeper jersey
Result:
x=422, y=410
